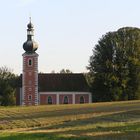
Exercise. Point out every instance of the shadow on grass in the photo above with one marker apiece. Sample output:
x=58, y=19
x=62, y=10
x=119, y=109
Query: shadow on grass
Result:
x=44, y=136
x=135, y=128
x=100, y=131
x=12, y=116
x=129, y=131
x=123, y=117
x=36, y=136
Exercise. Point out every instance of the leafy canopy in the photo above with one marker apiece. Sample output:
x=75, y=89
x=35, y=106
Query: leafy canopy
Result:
x=115, y=66
x=7, y=87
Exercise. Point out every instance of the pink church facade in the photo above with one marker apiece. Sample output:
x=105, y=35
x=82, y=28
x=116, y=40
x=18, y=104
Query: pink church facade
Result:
x=60, y=98
x=63, y=89
x=57, y=89
x=43, y=89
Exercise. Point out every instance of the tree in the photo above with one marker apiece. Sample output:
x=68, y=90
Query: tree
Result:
x=8, y=86
x=89, y=78
x=65, y=71
x=115, y=65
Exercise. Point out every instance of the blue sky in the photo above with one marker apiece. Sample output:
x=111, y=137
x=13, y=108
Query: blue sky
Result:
x=66, y=30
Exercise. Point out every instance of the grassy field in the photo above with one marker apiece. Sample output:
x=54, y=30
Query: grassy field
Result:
x=97, y=121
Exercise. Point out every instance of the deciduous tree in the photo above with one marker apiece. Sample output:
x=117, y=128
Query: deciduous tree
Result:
x=7, y=86
x=115, y=65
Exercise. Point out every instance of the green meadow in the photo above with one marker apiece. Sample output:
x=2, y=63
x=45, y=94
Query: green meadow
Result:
x=96, y=121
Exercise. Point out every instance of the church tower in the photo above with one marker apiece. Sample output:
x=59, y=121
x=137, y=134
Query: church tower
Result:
x=30, y=95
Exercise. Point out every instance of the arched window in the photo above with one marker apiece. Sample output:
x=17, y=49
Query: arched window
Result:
x=49, y=100
x=29, y=97
x=82, y=100
x=66, y=100
x=30, y=62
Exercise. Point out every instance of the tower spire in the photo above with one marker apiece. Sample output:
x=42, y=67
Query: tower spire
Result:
x=30, y=94
x=30, y=45
x=30, y=19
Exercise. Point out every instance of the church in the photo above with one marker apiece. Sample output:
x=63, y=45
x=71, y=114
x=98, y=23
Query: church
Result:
x=48, y=88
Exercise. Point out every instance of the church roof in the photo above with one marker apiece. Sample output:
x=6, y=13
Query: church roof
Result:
x=62, y=82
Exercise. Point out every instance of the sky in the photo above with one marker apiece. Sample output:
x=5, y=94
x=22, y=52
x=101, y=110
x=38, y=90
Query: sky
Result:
x=66, y=30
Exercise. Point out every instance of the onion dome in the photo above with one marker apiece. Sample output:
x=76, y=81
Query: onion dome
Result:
x=30, y=45
x=30, y=25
